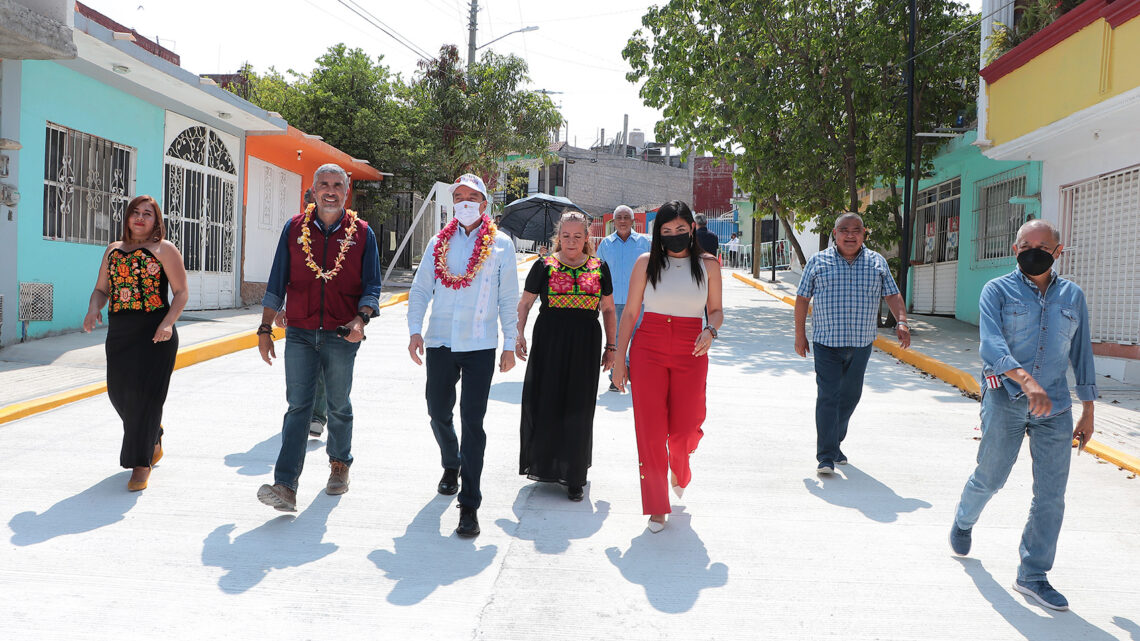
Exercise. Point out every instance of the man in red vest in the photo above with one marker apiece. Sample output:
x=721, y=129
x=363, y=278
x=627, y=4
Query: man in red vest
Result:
x=327, y=273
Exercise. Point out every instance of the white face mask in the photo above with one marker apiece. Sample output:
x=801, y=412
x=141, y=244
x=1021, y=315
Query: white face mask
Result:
x=467, y=212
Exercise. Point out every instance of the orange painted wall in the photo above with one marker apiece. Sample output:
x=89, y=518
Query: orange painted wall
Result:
x=282, y=150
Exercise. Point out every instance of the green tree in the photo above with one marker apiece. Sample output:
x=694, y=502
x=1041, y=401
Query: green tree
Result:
x=805, y=93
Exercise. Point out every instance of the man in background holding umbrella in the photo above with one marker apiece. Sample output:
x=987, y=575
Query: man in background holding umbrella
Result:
x=468, y=274
x=620, y=251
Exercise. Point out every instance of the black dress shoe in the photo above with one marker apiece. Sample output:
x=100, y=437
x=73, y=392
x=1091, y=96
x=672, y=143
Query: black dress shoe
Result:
x=468, y=522
x=575, y=492
x=449, y=482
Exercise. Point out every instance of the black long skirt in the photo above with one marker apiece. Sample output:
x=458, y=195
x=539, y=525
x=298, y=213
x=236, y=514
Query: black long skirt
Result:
x=138, y=376
x=560, y=392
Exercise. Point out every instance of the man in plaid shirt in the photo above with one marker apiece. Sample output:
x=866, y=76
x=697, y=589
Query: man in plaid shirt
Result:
x=846, y=282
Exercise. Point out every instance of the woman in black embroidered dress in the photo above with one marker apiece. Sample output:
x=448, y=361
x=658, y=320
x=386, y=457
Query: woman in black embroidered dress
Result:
x=560, y=390
x=134, y=277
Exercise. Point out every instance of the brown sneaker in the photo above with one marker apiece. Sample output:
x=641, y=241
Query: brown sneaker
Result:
x=338, y=478
x=278, y=497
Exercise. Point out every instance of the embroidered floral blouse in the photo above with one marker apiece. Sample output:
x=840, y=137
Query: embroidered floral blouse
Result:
x=137, y=282
x=561, y=286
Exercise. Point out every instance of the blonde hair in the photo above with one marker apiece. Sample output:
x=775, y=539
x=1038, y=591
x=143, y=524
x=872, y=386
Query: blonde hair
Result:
x=569, y=216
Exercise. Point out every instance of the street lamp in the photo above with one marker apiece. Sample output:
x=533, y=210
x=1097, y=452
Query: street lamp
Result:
x=471, y=51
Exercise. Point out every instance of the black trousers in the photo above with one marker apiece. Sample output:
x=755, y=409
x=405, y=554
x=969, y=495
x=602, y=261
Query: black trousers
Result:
x=444, y=369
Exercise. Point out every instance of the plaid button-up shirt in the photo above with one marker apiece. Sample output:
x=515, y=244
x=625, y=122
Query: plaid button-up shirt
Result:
x=845, y=309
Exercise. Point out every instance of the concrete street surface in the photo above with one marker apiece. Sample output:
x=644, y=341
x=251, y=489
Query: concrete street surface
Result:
x=760, y=547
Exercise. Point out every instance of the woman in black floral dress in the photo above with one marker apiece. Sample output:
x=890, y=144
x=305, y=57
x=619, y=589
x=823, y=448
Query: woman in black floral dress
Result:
x=134, y=277
x=560, y=390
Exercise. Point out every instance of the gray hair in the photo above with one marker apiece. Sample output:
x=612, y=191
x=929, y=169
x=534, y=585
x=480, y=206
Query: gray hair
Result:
x=622, y=209
x=701, y=220
x=848, y=215
x=331, y=168
x=1037, y=223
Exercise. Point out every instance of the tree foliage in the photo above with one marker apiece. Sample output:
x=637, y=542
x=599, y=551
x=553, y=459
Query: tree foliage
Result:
x=806, y=94
x=444, y=121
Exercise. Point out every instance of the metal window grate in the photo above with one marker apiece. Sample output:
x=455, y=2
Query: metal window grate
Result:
x=936, y=222
x=87, y=185
x=36, y=302
x=998, y=219
x=1100, y=219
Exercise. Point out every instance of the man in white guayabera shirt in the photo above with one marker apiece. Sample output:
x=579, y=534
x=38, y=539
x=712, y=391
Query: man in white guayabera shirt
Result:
x=468, y=274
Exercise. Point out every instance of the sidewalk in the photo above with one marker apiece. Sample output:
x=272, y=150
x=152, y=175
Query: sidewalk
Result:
x=46, y=366
x=955, y=343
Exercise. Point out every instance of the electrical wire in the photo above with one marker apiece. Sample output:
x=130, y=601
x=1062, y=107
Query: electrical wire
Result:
x=959, y=32
x=367, y=16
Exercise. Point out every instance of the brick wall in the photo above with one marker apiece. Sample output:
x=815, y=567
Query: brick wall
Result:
x=600, y=186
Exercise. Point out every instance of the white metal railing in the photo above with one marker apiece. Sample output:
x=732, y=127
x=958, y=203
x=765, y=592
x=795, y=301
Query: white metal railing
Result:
x=783, y=255
x=740, y=259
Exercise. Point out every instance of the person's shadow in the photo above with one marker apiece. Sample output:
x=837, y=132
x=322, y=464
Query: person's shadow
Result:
x=615, y=401
x=860, y=491
x=102, y=504
x=672, y=565
x=557, y=521
x=284, y=542
x=423, y=560
x=1129, y=626
x=1061, y=626
x=260, y=458
x=507, y=391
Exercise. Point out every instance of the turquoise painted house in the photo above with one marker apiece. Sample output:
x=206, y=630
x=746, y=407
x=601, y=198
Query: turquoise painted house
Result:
x=119, y=120
x=967, y=216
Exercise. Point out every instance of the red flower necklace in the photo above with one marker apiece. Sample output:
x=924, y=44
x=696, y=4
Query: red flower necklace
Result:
x=483, y=243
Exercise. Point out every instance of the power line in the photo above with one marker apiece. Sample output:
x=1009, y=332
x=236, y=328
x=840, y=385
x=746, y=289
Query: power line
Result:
x=962, y=30
x=375, y=22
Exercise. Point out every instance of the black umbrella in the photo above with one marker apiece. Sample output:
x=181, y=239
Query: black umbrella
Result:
x=536, y=216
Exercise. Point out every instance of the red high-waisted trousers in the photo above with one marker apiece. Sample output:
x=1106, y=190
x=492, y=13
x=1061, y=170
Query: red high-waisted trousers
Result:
x=668, y=386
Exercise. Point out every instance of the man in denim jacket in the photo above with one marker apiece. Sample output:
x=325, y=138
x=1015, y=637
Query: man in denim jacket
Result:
x=1033, y=325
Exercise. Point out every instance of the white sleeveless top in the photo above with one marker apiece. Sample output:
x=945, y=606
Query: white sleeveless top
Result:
x=677, y=294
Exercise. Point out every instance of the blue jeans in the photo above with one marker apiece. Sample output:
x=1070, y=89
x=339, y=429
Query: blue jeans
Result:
x=839, y=382
x=1005, y=423
x=310, y=355
x=444, y=369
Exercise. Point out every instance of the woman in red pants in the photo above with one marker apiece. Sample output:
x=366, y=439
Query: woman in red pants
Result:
x=679, y=286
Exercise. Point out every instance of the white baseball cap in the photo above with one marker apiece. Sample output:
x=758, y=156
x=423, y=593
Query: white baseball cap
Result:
x=472, y=181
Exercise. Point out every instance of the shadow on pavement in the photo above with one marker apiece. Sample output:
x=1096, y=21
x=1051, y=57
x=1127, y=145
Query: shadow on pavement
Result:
x=260, y=458
x=424, y=560
x=102, y=504
x=673, y=565
x=1035, y=623
x=555, y=520
x=860, y=491
x=1128, y=626
x=284, y=542
x=615, y=401
x=507, y=391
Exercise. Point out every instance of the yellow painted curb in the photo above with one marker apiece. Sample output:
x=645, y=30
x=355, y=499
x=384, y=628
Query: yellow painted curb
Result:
x=394, y=300
x=958, y=378
x=44, y=403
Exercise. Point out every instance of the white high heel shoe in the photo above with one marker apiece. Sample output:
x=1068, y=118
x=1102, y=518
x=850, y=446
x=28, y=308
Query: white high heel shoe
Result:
x=655, y=526
x=677, y=489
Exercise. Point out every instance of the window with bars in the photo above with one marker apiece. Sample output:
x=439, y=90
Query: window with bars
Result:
x=936, y=223
x=87, y=185
x=998, y=219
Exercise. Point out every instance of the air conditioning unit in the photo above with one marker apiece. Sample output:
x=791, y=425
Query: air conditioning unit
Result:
x=36, y=302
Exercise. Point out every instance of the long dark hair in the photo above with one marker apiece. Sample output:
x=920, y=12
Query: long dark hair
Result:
x=658, y=257
x=158, y=233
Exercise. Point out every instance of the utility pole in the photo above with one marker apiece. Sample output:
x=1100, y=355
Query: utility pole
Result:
x=908, y=175
x=471, y=28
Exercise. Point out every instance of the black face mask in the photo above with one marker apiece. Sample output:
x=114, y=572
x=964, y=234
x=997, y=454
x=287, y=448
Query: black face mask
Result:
x=1035, y=261
x=678, y=243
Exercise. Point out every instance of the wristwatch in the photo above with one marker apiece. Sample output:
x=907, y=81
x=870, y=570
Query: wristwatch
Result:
x=712, y=330
x=364, y=317
x=903, y=324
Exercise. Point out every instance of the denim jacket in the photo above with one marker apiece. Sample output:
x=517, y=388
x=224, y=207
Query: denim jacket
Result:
x=1041, y=334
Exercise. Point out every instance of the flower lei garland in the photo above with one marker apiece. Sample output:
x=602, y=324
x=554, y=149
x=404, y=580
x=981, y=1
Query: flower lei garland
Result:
x=306, y=243
x=483, y=244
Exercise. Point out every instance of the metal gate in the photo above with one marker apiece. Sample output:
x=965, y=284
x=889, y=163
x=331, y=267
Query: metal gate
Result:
x=936, y=248
x=199, y=189
x=1099, y=221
